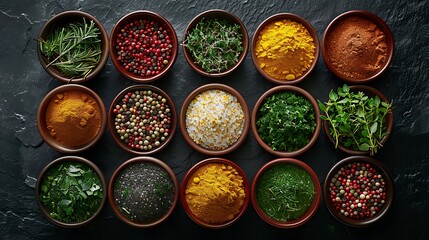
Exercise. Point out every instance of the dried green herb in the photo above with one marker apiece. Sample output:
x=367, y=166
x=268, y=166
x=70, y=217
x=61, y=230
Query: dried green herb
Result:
x=286, y=121
x=285, y=192
x=215, y=44
x=356, y=120
x=71, y=192
x=74, y=49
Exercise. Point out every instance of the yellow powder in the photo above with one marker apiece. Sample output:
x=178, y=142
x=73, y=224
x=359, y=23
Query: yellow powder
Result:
x=285, y=50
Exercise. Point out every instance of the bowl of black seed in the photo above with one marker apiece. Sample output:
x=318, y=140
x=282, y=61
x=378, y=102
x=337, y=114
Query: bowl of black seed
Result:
x=142, y=119
x=143, y=192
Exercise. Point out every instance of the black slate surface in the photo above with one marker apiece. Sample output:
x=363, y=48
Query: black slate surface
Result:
x=24, y=83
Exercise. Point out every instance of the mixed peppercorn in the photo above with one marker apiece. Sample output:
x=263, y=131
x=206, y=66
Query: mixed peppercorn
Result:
x=143, y=119
x=357, y=190
x=144, y=48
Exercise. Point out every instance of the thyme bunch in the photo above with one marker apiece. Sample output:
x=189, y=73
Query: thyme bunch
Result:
x=74, y=49
x=215, y=44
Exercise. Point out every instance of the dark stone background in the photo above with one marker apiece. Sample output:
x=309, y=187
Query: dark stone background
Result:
x=24, y=83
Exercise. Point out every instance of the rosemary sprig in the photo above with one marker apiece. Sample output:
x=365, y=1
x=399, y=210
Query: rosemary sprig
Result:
x=74, y=49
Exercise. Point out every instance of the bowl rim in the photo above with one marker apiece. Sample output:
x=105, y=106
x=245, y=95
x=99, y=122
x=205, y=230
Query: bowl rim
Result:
x=83, y=161
x=111, y=117
x=186, y=178
x=381, y=169
x=390, y=42
x=389, y=121
x=301, y=92
x=41, y=125
x=225, y=88
x=124, y=165
x=143, y=14
x=312, y=209
x=216, y=13
x=310, y=29
x=59, y=18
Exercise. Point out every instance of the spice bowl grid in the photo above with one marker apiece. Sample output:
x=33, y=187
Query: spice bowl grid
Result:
x=61, y=20
x=361, y=188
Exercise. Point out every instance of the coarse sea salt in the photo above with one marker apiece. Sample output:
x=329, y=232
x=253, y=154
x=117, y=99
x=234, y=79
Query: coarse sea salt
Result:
x=215, y=119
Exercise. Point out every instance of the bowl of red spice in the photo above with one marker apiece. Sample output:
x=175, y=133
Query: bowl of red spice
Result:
x=214, y=119
x=143, y=46
x=286, y=121
x=215, y=193
x=73, y=47
x=143, y=192
x=71, y=191
x=285, y=48
x=286, y=193
x=142, y=119
x=215, y=43
x=358, y=191
x=71, y=118
x=357, y=46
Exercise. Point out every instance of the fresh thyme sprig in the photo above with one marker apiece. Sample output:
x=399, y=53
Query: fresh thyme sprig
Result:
x=215, y=44
x=74, y=49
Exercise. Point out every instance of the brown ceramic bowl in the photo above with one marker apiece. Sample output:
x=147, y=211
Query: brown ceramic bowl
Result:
x=213, y=14
x=63, y=19
x=309, y=213
x=300, y=92
x=370, y=91
x=188, y=178
x=111, y=119
x=136, y=16
x=389, y=188
x=343, y=18
x=227, y=89
x=62, y=160
x=44, y=131
x=112, y=184
x=294, y=18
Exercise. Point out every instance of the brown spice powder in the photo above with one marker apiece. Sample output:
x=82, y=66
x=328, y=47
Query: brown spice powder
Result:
x=357, y=48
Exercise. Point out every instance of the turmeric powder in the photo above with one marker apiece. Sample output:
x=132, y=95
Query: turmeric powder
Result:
x=285, y=50
x=215, y=193
x=73, y=118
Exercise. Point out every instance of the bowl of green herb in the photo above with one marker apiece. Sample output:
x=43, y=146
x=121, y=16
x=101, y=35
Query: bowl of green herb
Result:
x=358, y=119
x=215, y=43
x=73, y=47
x=286, y=193
x=71, y=191
x=285, y=121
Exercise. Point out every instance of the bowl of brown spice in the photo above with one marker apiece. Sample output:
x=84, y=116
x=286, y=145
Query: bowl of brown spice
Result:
x=215, y=193
x=71, y=118
x=357, y=46
x=73, y=47
x=285, y=48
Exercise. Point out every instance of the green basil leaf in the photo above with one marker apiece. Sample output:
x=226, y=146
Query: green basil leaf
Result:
x=364, y=147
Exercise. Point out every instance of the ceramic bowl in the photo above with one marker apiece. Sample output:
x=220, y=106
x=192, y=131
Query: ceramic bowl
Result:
x=215, y=14
x=389, y=45
x=112, y=114
x=63, y=160
x=370, y=91
x=308, y=214
x=295, y=18
x=388, y=184
x=183, y=128
x=42, y=123
x=189, y=176
x=61, y=20
x=300, y=92
x=131, y=18
x=113, y=184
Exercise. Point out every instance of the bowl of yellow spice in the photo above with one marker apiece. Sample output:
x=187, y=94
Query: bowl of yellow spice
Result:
x=285, y=48
x=71, y=118
x=215, y=193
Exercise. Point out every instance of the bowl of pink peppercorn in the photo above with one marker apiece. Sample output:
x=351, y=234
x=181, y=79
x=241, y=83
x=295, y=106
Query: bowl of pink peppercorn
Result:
x=143, y=46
